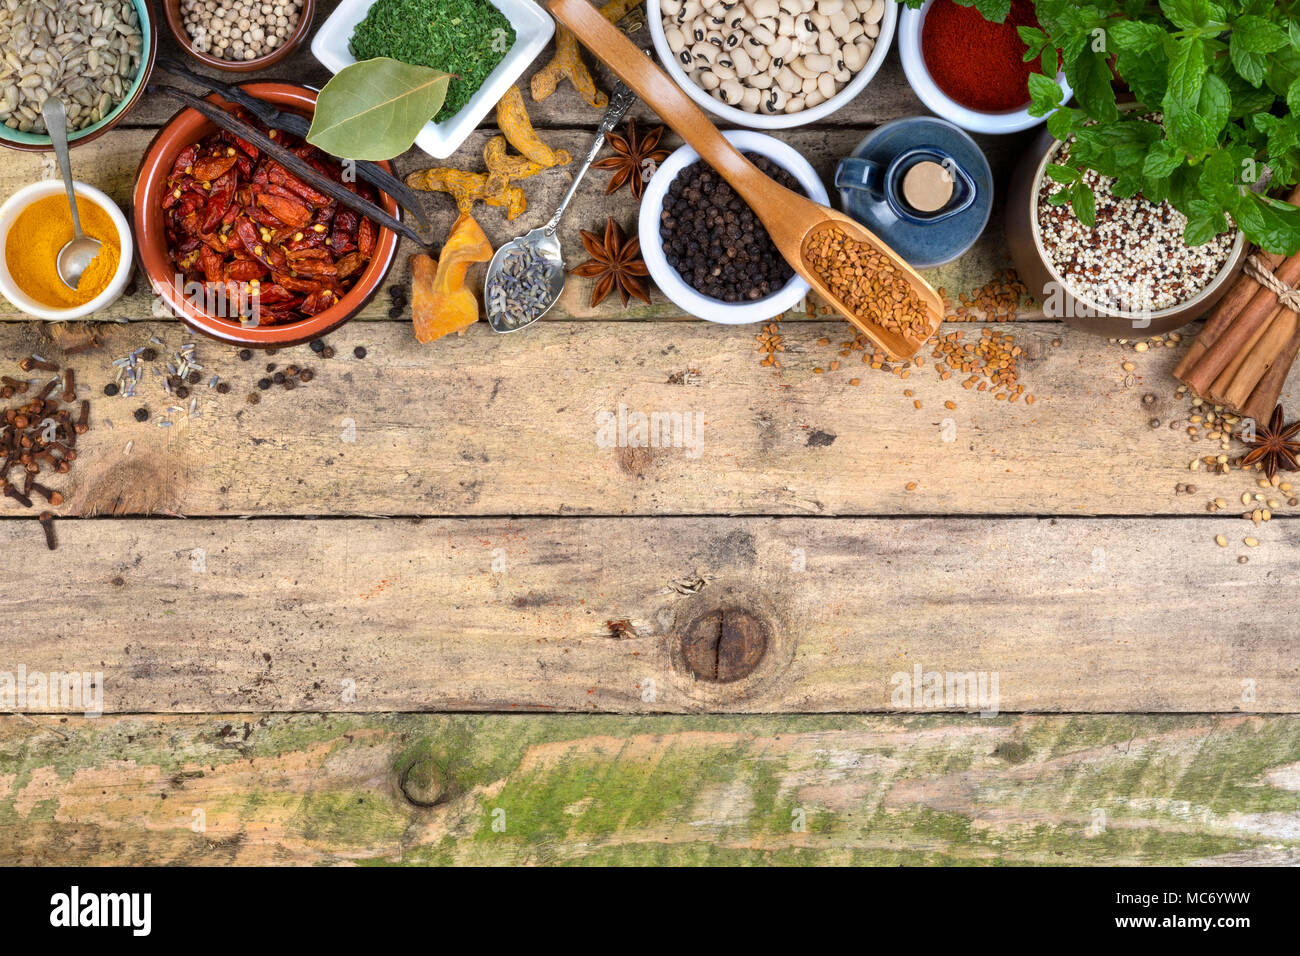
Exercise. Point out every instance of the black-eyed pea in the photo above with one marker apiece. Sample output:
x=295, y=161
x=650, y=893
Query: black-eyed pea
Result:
x=792, y=7
x=788, y=81
x=734, y=39
x=808, y=85
x=761, y=62
x=827, y=43
x=854, y=57
x=862, y=6
x=855, y=30
x=723, y=73
x=781, y=48
x=817, y=63
x=827, y=7
x=826, y=85
x=685, y=59
x=676, y=39
x=749, y=100
x=794, y=104
x=690, y=10
x=813, y=99
x=704, y=54
x=671, y=8
x=764, y=8
x=875, y=12
x=763, y=34
x=698, y=31
x=841, y=74
x=708, y=80
x=804, y=29
x=730, y=92
x=784, y=25
x=839, y=24
x=872, y=30
x=717, y=38
x=774, y=101
x=801, y=69
x=741, y=63
x=761, y=81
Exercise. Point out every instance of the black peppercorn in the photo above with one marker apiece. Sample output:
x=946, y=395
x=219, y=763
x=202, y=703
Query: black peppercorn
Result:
x=359, y=352
x=149, y=355
x=142, y=414
x=223, y=388
x=317, y=345
x=328, y=352
x=270, y=366
x=306, y=375
x=289, y=384
x=245, y=354
x=192, y=378
x=182, y=392
x=254, y=398
x=278, y=378
x=264, y=383
x=110, y=389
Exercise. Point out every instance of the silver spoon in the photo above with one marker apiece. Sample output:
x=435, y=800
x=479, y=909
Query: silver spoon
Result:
x=543, y=239
x=75, y=257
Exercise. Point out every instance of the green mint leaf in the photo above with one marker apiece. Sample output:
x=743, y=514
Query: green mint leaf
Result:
x=1084, y=204
x=995, y=11
x=1204, y=222
x=1059, y=198
x=1062, y=174
x=1293, y=96
x=1215, y=103
x=1161, y=161
x=1273, y=225
x=1045, y=94
x=1094, y=86
x=1034, y=39
x=1258, y=35
x=1187, y=14
x=1135, y=36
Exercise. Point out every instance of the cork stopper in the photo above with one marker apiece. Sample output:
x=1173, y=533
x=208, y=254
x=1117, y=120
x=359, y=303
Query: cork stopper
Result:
x=927, y=186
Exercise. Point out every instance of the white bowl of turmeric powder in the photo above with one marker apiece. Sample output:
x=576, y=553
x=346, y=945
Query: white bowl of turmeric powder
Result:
x=35, y=223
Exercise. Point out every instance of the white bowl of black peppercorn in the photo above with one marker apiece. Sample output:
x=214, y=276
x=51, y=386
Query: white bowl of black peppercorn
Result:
x=674, y=272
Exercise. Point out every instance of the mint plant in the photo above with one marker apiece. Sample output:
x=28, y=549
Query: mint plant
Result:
x=1225, y=77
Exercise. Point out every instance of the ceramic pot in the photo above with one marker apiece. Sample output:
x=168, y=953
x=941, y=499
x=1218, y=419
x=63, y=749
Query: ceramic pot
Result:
x=189, y=126
x=1049, y=289
x=172, y=13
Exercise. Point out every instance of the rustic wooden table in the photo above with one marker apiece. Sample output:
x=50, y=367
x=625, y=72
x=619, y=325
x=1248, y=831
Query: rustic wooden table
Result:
x=416, y=612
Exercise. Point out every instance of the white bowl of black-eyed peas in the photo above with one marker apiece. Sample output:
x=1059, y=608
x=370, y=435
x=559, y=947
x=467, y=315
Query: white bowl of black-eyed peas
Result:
x=772, y=64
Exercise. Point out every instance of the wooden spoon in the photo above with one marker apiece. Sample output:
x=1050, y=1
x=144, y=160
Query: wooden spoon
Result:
x=790, y=219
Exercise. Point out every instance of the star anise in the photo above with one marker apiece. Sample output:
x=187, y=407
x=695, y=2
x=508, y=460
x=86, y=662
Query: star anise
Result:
x=615, y=263
x=1277, y=446
x=635, y=158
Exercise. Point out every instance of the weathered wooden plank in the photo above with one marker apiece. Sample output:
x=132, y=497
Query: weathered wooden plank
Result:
x=546, y=789
x=111, y=163
x=887, y=97
x=589, y=614
x=520, y=424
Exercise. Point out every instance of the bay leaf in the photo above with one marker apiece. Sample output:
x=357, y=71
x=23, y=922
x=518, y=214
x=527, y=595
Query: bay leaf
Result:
x=374, y=109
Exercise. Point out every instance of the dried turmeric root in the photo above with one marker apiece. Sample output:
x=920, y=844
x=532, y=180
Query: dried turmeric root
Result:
x=468, y=188
x=513, y=121
x=440, y=303
x=568, y=61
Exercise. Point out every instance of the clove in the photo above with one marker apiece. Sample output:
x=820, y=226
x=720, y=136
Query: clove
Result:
x=47, y=522
x=69, y=386
x=18, y=496
x=83, y=421
x=32, y=362
x=49, y=494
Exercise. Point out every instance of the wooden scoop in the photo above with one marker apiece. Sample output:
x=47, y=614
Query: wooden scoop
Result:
x=790, y=219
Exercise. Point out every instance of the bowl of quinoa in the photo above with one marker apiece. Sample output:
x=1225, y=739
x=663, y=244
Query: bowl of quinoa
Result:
x=1131, y=272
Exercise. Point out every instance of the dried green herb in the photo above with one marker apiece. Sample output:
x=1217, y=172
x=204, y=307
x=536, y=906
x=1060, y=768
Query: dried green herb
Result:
x=466, y=38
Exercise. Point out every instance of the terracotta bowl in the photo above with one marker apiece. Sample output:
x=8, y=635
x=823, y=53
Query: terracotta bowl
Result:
x=1038, y=274
x=38, y=142
x=187, y=127
x=172, y=13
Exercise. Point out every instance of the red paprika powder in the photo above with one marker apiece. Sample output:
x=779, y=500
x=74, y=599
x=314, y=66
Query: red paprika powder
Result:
x=977, y=63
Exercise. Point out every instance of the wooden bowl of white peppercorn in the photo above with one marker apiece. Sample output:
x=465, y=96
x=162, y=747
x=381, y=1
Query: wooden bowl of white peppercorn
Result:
x=217, y=21
x=772, y=64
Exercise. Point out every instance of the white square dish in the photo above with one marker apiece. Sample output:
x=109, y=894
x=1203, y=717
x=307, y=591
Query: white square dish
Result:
x=533, y=30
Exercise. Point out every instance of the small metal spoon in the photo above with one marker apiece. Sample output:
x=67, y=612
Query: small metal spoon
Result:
x=75, y=257
x=543, y=238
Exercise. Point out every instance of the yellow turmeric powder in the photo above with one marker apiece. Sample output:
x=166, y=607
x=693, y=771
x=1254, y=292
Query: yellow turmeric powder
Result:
x=33, y=243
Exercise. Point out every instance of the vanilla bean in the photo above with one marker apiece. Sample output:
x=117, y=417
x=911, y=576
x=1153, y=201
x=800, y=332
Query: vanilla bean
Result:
x=290, y=161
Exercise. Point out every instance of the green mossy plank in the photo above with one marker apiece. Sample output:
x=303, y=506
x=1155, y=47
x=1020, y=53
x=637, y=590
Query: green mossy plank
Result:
x=572, y=789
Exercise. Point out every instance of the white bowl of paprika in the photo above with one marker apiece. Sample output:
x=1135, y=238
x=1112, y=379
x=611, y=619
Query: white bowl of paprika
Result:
x=968, y=70
x=35, y=223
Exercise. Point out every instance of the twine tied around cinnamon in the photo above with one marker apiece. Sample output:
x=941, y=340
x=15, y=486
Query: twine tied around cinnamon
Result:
x=1287, y=295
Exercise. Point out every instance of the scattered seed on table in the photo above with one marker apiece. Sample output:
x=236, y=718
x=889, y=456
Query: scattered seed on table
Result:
x=317, y=346
x=306, y=375
x=1251, y=542
x=110, y=389
x=270, y=366
x=142, y=414
x=359, y=351
x=254, y=398
x=264, y=383
x=223, y=388
x=278, y=377
x=1242, y=559
x=327, y=352
x=148, y=355
x=1221, y=540
x=246, y=354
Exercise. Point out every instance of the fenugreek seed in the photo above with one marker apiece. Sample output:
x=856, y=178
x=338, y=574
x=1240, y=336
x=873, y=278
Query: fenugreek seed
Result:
x=1251, y=542
x=910, y=486
x=1245, y=497
x=1195, y=464
x=1221, y=540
